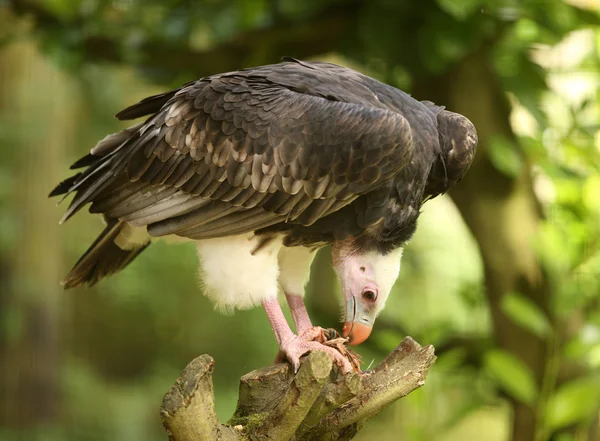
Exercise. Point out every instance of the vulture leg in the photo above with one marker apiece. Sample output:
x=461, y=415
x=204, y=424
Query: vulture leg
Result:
x=299, y=313
x=294, y=272
x=294, y=346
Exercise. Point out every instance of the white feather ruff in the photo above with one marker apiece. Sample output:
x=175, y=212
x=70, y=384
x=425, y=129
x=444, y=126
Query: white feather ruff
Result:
x=234, y=277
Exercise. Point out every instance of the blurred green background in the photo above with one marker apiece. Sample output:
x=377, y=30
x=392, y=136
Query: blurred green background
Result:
x=503, y=276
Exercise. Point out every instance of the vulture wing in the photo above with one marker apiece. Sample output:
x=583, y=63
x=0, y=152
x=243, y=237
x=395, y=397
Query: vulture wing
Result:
x=241, y=151
x=458, y=144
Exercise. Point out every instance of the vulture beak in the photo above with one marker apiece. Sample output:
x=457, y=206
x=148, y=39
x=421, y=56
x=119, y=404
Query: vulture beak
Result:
x=359, y=322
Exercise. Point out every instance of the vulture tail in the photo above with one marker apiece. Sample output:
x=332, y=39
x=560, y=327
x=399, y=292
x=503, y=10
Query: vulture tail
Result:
x=102, y=167
x=103, y=258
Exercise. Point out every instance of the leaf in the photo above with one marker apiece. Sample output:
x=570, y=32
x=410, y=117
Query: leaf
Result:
x=533, y=148
x=527, y=30
x=505, y=156
x=460, y=9
x=64, y=9
x=511, y=374
x=573, y=402
x=525, y=313
x=591, y=190
x=553, y=249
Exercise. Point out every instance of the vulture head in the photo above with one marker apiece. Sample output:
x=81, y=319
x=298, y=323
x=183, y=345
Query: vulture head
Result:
x=366, y=279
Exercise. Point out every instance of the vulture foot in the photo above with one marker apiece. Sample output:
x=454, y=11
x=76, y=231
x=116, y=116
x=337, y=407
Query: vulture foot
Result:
x=313, y=339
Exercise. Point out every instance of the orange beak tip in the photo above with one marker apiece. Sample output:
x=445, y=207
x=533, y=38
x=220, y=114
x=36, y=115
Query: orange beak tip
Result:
x=357, y=332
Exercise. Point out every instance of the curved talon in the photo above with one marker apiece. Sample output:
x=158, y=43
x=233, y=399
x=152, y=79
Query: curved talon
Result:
x=308, y=341
x=330, y=334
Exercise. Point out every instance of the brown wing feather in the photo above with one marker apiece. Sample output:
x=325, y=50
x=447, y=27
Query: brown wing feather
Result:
x=458, y=142
x=247, y=142
x=275, y=150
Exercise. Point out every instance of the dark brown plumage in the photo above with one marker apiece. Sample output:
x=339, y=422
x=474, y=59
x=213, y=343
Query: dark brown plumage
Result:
x=314, y=151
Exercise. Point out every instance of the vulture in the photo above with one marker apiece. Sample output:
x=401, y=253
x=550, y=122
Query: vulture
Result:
x=261, y=168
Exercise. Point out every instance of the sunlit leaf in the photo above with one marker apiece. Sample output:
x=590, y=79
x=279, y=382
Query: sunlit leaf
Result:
x=533, y=148
x=585, y=346
x=591, y=190
x=526, y=30
x=552, y=248
x=65, y=9
x=525, y=313
x=511, y=374
x=573, y=402
x=460, y=9
x=593, y=356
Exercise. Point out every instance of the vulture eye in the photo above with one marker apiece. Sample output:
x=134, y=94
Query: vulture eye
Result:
x=369, y=295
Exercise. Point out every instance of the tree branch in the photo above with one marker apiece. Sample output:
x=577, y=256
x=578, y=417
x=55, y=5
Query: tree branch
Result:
x=275, y=404
x=403, y=371
x=188, y=409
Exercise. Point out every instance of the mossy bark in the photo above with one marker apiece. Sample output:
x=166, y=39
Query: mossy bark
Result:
x=315, y=404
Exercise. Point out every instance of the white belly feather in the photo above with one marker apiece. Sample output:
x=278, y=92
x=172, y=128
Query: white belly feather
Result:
x=232, y=274
x=294, y=268
x=236, y=277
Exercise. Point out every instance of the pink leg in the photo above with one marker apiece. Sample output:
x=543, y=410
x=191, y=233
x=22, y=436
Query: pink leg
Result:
x=299, y=313
x=294, y=346
x=279, y=324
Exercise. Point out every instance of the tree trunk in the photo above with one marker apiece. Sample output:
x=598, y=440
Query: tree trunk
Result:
x=501, y=212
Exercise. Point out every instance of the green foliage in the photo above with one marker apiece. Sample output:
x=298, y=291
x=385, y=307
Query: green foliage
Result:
x=127, y=338
x=505, y=156
x=524, y=312
x=574, y=402
x=584, y=347
x=511, y=374
x=64, y=10
x=460, y=9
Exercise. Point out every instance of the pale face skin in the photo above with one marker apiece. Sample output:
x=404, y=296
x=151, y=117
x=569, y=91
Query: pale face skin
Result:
x=366, y=280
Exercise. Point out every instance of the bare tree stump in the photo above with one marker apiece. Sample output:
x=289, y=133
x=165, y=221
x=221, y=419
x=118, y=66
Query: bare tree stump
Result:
x=274, y=404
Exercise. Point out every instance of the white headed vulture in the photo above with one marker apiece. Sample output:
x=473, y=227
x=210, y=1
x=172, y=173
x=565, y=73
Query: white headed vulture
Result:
x=262, y=167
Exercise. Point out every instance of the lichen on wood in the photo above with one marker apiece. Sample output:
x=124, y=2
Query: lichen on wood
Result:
x=274, y=404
